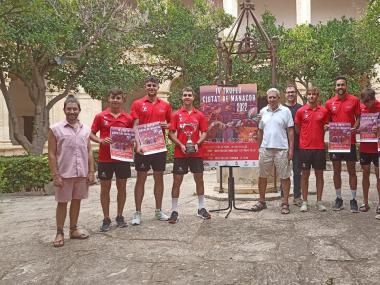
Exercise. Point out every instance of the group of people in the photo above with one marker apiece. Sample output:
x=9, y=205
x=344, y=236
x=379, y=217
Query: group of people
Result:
x=72, y=164
x=286, y=132
x=295, y=132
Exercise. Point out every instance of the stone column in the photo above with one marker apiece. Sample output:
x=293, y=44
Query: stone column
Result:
x=4, y=121
x=231, y=7
x=303, y=12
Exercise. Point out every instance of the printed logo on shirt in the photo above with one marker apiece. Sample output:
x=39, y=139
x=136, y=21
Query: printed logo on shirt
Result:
x=144, y=108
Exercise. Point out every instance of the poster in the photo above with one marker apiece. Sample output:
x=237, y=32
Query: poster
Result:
x=151, y=138
x=368, y=127
x=339, y=137
x=123, y=140
x=233, y=125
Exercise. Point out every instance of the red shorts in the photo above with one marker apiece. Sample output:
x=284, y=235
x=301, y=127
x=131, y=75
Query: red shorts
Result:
x=73, y=188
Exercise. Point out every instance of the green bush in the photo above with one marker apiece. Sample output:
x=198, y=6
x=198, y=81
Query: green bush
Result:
x=27, y=173
x=170, y=146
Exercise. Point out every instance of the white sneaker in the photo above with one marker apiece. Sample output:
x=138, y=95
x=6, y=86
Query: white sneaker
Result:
x=136, y=220
x=304, y=207
x=161, y=216
x=320, y=207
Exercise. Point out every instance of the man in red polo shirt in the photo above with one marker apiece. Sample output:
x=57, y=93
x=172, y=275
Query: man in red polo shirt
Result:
x=150, y=109
x=310, y=121
x=368, y=150
x=344, y=107
x=188, y=122
x=116, y=117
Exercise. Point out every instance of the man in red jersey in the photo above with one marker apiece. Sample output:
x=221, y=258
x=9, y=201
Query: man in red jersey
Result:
x=344, y=107
x=368, y=150
x=150, y=109
x=113, y=116
x=188, y=122
x=310, y=121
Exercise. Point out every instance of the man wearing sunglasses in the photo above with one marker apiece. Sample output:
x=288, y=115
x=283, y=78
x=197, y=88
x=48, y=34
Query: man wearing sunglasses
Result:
x=187, y=124
x=150, y=109
x=344, y=108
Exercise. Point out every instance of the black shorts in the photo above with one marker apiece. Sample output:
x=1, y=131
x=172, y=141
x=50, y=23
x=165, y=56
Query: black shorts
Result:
x=121, y=169
x=367, y=158
x=181, y=165
x=312, y=157
x=144, y=162
x=347, y=156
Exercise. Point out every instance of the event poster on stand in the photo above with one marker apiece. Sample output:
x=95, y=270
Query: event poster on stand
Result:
x=123, y=140
x=339, y=137
x=368, y=127
x=151, y=138
x=233, y=125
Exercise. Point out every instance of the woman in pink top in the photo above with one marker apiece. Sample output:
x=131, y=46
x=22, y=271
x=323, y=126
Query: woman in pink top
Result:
x=72, y=167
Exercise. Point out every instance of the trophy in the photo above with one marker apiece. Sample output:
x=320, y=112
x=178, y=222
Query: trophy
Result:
x=188, y=130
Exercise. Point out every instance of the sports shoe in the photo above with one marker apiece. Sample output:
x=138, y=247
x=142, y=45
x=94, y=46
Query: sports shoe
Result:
x=106, y=225
x=320, y=207
x=304, y=206
x=203, y=214
x=120, y=222
x=364, y=208
x=297, y=202
x=338, y=204
x=161, y=216
x=136, y=220
x=173, y=217
x=354, y=206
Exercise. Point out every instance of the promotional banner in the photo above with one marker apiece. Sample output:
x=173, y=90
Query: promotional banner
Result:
x=339, y=137
x=368, y=127
x=123, y=140
x=151, y=138
x=233, y=125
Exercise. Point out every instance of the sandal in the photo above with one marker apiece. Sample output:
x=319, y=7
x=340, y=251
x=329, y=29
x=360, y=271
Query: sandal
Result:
x=364, y=208
x=285, y=209
x=378, y=209
x=59, y=242
x=259, y=206
x=79, y=234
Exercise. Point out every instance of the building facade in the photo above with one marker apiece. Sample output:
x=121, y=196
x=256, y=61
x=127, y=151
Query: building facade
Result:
x=287, y=12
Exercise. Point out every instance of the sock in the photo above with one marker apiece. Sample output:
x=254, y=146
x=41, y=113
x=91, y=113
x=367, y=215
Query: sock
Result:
x=174, y=204
x=338, y=193
x=201, y=201
x=353, y=194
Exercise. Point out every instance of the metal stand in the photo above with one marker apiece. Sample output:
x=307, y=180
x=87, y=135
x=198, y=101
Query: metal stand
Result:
x=231, y=193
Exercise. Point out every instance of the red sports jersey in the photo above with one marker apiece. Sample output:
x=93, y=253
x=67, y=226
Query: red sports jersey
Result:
x=311, y=123
x=103, y=122
x=199, y=123
x=344, y=110
x=369, y=147
x=148, y=112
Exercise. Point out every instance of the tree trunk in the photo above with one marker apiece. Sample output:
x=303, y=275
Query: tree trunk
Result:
x=41, y=123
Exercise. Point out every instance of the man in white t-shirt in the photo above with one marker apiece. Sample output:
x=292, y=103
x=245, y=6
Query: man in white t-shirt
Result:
x=276, y=141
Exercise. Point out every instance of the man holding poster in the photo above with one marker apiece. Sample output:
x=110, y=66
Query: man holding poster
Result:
x=344, y=108
x=188, y=129
x=113, y=116
x=368, y=150
x=150, y=109
x=276, y=141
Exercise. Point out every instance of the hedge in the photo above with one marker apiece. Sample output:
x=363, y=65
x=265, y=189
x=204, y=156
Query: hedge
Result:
x=18, y=173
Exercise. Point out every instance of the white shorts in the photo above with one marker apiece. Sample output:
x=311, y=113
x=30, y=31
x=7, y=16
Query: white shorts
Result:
x=277, y=157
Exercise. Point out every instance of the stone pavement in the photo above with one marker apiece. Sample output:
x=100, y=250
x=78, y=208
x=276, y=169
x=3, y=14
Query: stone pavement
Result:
x=247, y=248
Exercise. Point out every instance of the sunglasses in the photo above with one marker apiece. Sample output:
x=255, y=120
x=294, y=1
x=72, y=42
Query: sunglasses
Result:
x=151, y=85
